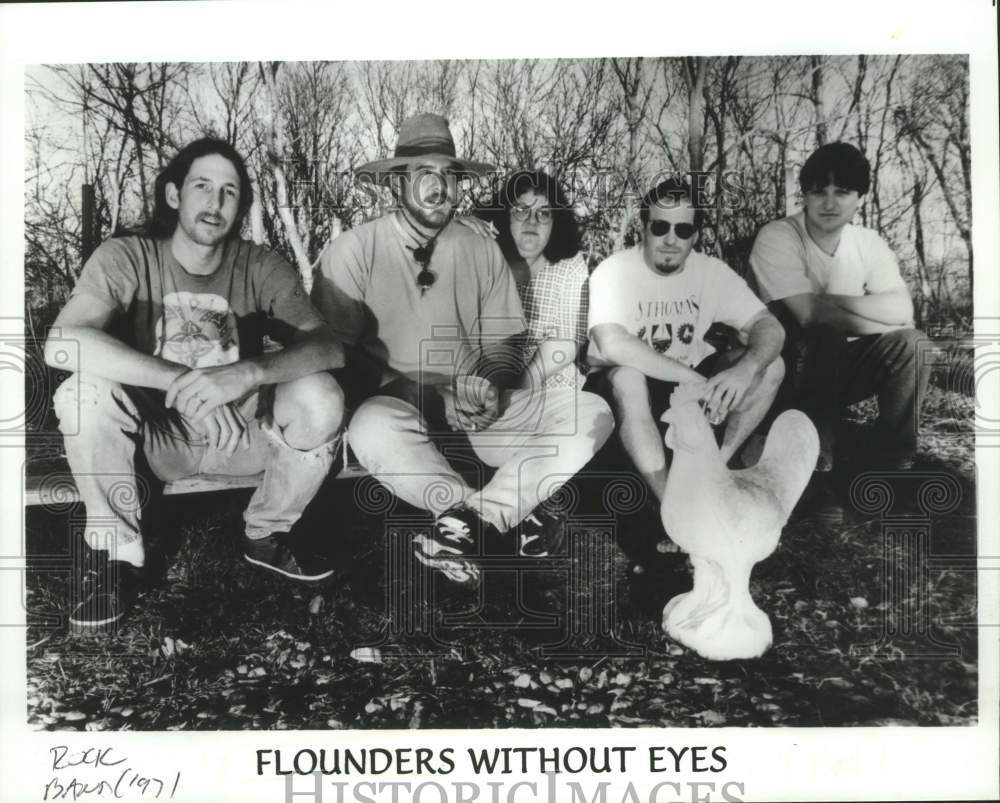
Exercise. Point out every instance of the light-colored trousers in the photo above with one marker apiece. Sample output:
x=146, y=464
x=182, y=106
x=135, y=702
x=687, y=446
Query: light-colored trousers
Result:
x=543, y=438
x=105, y=423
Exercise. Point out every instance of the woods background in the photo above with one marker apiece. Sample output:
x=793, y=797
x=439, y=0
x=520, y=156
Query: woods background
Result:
x=607, y=127
x=874, y=625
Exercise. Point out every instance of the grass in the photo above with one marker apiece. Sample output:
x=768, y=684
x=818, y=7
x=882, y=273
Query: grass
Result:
x=216, y=644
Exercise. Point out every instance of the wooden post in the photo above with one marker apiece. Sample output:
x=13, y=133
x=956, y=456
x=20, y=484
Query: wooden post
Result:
x=87, y=228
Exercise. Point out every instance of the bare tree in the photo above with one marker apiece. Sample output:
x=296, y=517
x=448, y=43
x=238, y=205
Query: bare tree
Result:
x=604, y=126
x=636, y=91
x=935, y=120
x=816, y=95
x=276, y=150
x=694, y=80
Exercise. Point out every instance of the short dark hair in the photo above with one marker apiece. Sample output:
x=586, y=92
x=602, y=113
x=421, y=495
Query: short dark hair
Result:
x=164, y=219
x=672, y=189
x=837, y=163
x=564, y=242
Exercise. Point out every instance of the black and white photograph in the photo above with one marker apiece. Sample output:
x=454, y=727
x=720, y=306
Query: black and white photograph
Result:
x=560, y=396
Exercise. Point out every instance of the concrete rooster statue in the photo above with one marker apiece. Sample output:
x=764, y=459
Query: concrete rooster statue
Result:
x=727, y=521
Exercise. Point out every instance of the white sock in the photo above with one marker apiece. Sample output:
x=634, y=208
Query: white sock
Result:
x=128, y=551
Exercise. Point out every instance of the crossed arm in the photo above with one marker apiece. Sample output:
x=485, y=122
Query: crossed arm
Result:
x=869, y=314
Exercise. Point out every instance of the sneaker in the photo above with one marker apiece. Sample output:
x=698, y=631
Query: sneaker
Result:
x=541, y=534
x=102, y=593
x=286, y=555
x=454, y=543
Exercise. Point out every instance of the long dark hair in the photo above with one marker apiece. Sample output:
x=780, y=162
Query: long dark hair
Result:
x=164, y=219
x=564, y=241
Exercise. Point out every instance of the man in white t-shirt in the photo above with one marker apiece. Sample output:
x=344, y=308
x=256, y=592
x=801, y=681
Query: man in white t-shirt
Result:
x=837, y=289
x=650, y=308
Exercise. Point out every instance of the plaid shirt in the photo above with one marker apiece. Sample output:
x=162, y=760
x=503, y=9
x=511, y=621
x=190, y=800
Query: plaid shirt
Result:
x=555, y=306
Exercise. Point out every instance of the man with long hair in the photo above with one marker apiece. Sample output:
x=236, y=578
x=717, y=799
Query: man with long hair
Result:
x=170, y=327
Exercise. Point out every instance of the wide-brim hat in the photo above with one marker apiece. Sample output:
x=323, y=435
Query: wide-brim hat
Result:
x=420, y=135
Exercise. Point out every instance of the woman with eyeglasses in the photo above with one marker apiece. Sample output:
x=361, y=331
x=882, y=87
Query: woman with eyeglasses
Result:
x=538, y=234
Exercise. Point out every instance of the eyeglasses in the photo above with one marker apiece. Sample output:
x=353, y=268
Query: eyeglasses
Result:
x=422, y=256
x=660, y=228
x=525, y=213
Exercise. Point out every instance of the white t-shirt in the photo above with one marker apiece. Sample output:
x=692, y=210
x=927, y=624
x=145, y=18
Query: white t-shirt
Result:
x=786, y=262
x=670, y=313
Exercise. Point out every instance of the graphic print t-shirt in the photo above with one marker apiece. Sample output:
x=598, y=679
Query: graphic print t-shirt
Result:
x=670, y=313
x=197, y=321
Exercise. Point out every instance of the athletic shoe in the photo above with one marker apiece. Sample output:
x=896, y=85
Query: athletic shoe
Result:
x=454, y=544
x=541, y=534
x=286, y=555
x=102, y=593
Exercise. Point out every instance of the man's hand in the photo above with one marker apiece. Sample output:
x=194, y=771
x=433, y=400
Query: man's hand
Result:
x=198, y=392
x=471, y=404
x=225, y=428
x=481, y=227
x=725, y=390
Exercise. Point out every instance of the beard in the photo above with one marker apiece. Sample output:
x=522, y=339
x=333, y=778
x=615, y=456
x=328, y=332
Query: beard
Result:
x=431, y=217
x=667, y=267
x=206, y=235
x=431, y=214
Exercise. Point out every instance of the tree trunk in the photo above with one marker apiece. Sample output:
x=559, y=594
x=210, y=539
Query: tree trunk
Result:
x=275, y=155
x=791, y=191
x=143, y=185
x=819, y=106
x=926, y=291
x=627, y=214
x=949, y=198
x=695, y=73
x=629, y=73
x=257, y=215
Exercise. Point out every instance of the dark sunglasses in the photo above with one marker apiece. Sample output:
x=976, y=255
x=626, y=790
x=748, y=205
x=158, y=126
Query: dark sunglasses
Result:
x=660, y=228
x=422, y=256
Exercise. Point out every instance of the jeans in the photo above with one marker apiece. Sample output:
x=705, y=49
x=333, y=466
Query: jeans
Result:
x=827, y=372
x=105, y=425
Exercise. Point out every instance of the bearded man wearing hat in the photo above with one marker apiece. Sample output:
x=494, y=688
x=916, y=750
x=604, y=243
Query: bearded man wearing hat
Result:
x=430, y=313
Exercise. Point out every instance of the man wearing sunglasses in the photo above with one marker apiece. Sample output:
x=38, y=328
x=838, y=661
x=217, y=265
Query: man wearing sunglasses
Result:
x=430, y=313
x=650, y=309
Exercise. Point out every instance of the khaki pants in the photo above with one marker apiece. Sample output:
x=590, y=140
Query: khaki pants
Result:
x=543, y=438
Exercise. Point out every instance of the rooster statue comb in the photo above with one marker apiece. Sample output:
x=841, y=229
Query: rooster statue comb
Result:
x=727, y=521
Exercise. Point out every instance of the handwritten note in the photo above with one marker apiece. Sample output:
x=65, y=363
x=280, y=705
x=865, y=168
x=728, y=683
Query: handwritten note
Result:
x=103, y=773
